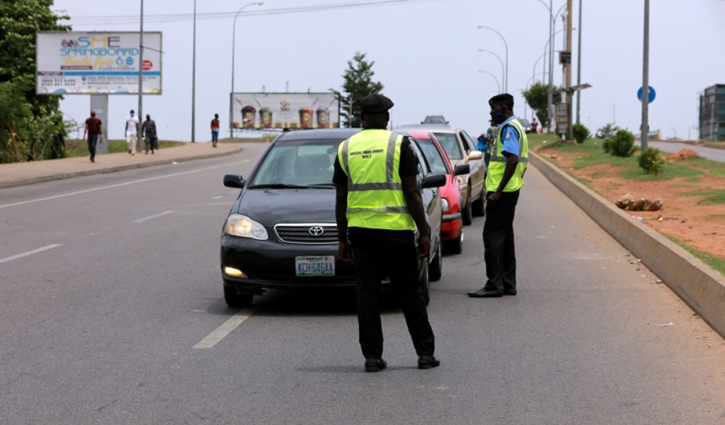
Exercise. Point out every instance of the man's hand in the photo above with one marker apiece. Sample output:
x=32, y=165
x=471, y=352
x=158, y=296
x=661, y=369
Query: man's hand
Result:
x=493, y=199
x=423, y=247
x=100, y=139
x=345, y=252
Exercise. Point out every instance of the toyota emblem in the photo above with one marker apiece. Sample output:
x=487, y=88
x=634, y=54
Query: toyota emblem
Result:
x=316, y=231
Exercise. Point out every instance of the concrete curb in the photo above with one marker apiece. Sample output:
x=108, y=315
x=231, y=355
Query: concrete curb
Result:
x=59, y=176
x=701, y=287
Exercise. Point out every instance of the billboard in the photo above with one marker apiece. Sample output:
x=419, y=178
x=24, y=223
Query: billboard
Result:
x=284, y=110
x=97, y=62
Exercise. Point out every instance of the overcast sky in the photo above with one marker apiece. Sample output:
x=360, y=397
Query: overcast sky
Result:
x=426, y=54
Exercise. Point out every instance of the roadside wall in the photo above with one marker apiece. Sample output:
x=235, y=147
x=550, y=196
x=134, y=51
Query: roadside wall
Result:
x=701, y=287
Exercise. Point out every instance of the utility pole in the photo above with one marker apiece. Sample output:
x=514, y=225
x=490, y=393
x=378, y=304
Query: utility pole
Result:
x=645, y=79
x=579, y=63
x=140, y=84
x=569, y=94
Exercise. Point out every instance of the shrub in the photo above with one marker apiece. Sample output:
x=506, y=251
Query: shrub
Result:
x=580, y=133
x=620, y=144
x=607, y=130
x=651, y=161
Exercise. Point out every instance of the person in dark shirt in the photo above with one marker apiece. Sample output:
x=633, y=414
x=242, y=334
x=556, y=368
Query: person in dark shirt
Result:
x=94, y=129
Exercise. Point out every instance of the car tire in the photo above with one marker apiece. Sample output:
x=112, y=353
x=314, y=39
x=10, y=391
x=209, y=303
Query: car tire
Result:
x=436, y=267
x=479, y=205
x=455, y=246
x=425, y=283
x=237, y=300
x=467, y=210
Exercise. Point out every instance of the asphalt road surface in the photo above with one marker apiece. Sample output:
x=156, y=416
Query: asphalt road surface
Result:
x=705, y=152
x=111, y=312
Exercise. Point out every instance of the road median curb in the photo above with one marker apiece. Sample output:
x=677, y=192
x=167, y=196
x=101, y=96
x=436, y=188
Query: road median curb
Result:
x=107, y=170
x=697, y=284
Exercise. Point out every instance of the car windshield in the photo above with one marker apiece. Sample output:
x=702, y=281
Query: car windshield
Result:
x=433, y=155
x=434, y=119
x=297, y=164
x=450, y=145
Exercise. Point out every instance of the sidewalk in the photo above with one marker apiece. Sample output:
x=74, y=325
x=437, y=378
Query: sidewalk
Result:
x=18, y=174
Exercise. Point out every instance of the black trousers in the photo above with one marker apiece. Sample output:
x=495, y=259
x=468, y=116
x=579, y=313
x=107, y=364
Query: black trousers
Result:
x=498, y=243
x=92, y=140
x=380, y=253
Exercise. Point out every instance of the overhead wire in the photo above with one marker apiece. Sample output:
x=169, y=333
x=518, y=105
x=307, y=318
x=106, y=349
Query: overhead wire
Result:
x=180, y=17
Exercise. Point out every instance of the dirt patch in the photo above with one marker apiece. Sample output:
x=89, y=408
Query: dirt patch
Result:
x=702, y=227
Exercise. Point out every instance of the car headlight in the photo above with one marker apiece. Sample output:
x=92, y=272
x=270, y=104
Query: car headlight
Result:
x=445, y=205
x=241, y=225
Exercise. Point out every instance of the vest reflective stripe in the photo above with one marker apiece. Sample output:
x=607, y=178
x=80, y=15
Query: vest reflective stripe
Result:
x=497, y=163
x=375, y=192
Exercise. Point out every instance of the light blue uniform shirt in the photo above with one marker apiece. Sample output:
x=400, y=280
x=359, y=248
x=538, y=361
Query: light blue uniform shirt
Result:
x=510, y=137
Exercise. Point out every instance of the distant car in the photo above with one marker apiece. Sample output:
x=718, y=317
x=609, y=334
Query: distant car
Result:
x=281, y=232
x=451, y=226
x=526, y=124
x=461, y=149
x=434, y=119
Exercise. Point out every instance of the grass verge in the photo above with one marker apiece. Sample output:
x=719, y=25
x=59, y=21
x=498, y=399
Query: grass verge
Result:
x=716, y=263
x=76, y=147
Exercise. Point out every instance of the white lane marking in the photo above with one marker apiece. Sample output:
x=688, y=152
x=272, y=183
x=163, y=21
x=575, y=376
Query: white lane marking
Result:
x=218, y=197
x=151, y=217
x=119, y=185
x=25, y=254
x=217, y=335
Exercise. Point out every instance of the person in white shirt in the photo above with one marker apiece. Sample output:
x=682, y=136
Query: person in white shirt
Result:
x=131, y=132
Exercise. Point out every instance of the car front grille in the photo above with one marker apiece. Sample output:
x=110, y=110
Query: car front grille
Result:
x=307, y=233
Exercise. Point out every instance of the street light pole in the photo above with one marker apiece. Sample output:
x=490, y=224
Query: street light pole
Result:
x=506, y=81
x=193, y=79
x=645, y=79
x=234, y=37
x=494, y=77
x=499, y=61
x=140, y=82
x=579, y=64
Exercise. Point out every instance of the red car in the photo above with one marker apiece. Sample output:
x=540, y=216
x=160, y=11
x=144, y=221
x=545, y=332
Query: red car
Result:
x=452, y=220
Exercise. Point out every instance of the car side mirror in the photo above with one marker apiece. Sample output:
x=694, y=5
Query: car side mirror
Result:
x=234, y=180
x=434, y=180
x=475, y=155
x=461, y=169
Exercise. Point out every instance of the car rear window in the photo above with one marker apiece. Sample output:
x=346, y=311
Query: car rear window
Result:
x=450, y=145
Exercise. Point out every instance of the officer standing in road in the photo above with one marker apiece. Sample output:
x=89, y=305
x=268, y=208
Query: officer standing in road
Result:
x=378, y=206
x=505, y=178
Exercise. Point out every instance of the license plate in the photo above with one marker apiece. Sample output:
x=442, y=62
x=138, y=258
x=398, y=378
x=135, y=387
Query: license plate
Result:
x=315, y=266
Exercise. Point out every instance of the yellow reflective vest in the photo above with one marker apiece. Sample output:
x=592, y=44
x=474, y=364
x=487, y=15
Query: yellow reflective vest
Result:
x=497, y=164
x=375, y=200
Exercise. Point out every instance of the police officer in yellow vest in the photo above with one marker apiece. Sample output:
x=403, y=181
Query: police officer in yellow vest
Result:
x=378, y=206
x=504, y=181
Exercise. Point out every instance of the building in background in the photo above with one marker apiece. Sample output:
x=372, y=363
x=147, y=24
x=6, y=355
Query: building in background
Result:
x=712, y=113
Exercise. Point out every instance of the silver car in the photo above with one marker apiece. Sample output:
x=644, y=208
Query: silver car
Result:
x=461, y=149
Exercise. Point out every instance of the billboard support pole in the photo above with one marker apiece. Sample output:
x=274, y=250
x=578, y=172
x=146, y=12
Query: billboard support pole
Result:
x=140, y=83
x=99, y=103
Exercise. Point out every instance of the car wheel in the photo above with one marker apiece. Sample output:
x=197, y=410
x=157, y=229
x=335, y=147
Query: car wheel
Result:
x=436, y=267
x=479, y=205
x=236, y=300
x=456, y=245
x=467, y=210
x=425, y=282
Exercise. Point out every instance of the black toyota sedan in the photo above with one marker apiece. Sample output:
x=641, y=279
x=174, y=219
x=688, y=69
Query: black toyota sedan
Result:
x=281, y=232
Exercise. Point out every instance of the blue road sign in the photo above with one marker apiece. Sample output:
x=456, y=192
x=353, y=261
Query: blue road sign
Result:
x=651, y=94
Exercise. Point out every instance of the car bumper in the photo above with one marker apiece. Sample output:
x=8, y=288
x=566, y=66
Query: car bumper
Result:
x=451, y=225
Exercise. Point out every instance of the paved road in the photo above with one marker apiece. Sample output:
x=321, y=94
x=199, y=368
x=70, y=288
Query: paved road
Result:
x=709, y=153
x=109, y=282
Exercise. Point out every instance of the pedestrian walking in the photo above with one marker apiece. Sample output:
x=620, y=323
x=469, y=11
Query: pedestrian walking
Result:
x=148, y=133
x=378, y=206
x=505, y=178
x=534, y=125
x=94, y=129
x=131, y=132
x=215, y=130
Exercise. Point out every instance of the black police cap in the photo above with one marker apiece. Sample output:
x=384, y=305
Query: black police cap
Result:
x=505, y=97
x=375, y=104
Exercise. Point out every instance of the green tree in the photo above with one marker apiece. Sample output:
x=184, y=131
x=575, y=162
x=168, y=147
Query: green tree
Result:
x=537, y=96
x=35, y=127
x=357, y=84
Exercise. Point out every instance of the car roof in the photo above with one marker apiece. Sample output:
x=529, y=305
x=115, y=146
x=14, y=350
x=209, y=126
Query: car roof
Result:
x=321, y=133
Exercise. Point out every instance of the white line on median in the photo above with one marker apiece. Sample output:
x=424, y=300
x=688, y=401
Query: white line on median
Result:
x=224, y=330
x=151, y=217
x=25, y=254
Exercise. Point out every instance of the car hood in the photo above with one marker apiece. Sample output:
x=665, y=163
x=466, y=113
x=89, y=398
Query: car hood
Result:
x=273, y=206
